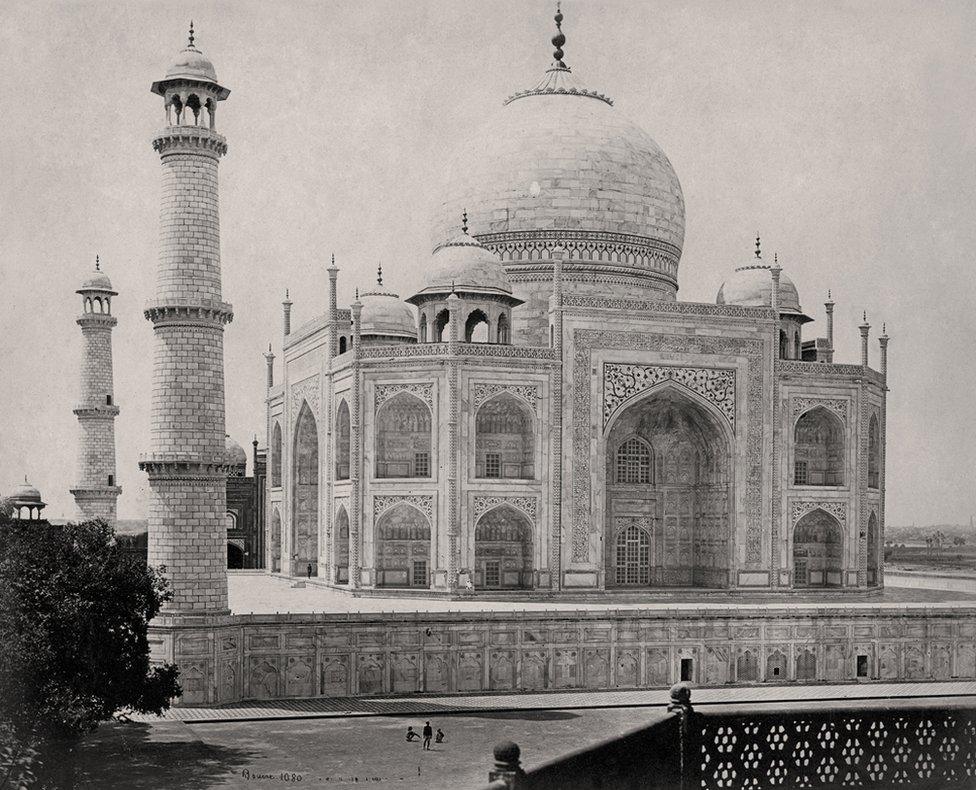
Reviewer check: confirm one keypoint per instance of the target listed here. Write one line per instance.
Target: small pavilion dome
(26, 494)
(97, 280)
(752, 286)
(235, 453)
(464, 264)
(384, 314)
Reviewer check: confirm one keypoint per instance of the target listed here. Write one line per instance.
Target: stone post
(453, 429)
(774, 294)
(356, 461)
(508, 767)
(829, 307)
(864, 328)
(687, 751)
(333, 271)
(96, 491)
(286, 314)
(270, 358)
(883, 342)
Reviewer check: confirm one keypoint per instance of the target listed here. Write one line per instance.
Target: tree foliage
(74, 611)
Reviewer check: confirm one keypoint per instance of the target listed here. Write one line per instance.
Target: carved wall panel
(837, 405)
(565, 668)
(299, 679)
(469, 674)
(436, 673)
(627, 670)
(529, 505)
(335, 676)
(483, 391)
(800, 507)
(406, 673)
(535, 674)
(383, 392)
(621, 382)
(501, 670)
(306, 390)
(424, 503)
(370, 669)
(263, 679)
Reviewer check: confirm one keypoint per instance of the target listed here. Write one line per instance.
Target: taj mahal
(544, 413)
(541, 421)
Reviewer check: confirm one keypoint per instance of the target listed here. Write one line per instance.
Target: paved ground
(347, 707)
(335, 753)
(263, 594)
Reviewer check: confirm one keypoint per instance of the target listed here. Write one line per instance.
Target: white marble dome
(464, 264)
(235, 453)
(559, 157)
(385, 315)
(752, 286)
(192, 64)
(97, 281)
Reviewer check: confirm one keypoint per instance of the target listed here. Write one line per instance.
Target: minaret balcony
(188, 311)
(104, 320)
(199, 137)
(99, 412)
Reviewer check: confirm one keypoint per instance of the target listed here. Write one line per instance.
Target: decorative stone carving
(424, 391)
(754, 350)
(621, 382)
(527, 504)
(837, 405)
(424, 503)
(527, 392)
(305, 390)
(800, 507)
(663, 307)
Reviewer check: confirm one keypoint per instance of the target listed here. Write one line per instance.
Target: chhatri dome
(97, 280)
(384, 315)
(464, 264)
(559, 162)
(752, 286)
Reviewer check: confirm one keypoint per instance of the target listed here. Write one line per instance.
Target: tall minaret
(96, 492)
(187, 465)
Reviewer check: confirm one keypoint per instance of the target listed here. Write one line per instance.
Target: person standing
(428, 734)
(310, 570)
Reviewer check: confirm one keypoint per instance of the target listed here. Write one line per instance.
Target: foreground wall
(330, 655)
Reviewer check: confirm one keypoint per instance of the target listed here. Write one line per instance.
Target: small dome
(26, 493)
(752, 286)
(192, 64)
(384, 314)
(465, 264)
(235, 453)
(97, 281)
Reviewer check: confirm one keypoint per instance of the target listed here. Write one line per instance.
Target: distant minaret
(96, 492)
(187, 463)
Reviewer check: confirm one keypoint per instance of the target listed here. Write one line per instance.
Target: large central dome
(558, 161)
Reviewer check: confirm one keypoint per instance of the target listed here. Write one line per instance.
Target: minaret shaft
(187, 465)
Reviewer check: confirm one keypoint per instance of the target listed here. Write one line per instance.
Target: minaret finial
(464, 221)
(775, 259)
(191, 34)
(828, 295)
(357, 294)
(98, 265)
(864, 316)
(884, 327)
(559, 39)
(758, 248)
(379, 274)
(333, 259)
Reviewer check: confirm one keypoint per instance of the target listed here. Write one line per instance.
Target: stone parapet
(193, 139)
(201, 312)
(96, 321)
(96, 412)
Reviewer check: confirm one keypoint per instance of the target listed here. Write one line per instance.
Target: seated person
(439, 738)
(411, 735)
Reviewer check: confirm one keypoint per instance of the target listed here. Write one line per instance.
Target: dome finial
(191, 35)
(758, 248)
(357, 294)
(98, 265)
(379, 274)
(464, 222)
(559, 39)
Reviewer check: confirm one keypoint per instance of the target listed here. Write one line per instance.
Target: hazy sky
(842, 131)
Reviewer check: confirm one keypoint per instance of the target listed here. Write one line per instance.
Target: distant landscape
(942, 548)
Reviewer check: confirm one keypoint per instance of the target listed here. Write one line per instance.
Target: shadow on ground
(140, 756)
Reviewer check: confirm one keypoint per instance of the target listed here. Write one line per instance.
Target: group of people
(428, 734)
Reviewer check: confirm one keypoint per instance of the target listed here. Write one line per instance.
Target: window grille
(800, 473)
(493, 465)
(633, 462)
(421, 465)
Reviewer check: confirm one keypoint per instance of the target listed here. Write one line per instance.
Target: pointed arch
(503, 332)
(276, 455)
(503, 549)
(441, 323)
(819, 448)
(342, 344)
(401, 540)
(342, 445)
(340, 549)
(632, 461)
(505, 439)
(818, 542)
(423, 328)
(275, 540)
(874, 452)
(305, 494)
(403, 437)
(477, 327)
(874, 551)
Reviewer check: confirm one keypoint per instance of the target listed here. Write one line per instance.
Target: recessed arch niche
(818, 448)
(403, 437)
(504, 439)
(402, 547)
(305, 494)
(503, 549)
(818, 542)
(669, 497)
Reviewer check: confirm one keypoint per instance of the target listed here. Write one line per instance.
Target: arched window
(503, 330)
(342, 441)
(797, 347)
(342, 344)
(633, 557)
(476, 327)
(818, 449)
(817, 551)
(98, 304)
(193, 105)
(423, 329)
(874, 452)
(231, 520)
(503, 549)
(402, 544)
(504, 441)
(873, 549)
(403, 437)
(275, 540)
(633, 462)
(177, 104)
(440, 325)
(276, 456)
(305, 494)
(783, 346)
(235, 556)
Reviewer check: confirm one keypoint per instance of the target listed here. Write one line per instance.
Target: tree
(74, 612)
